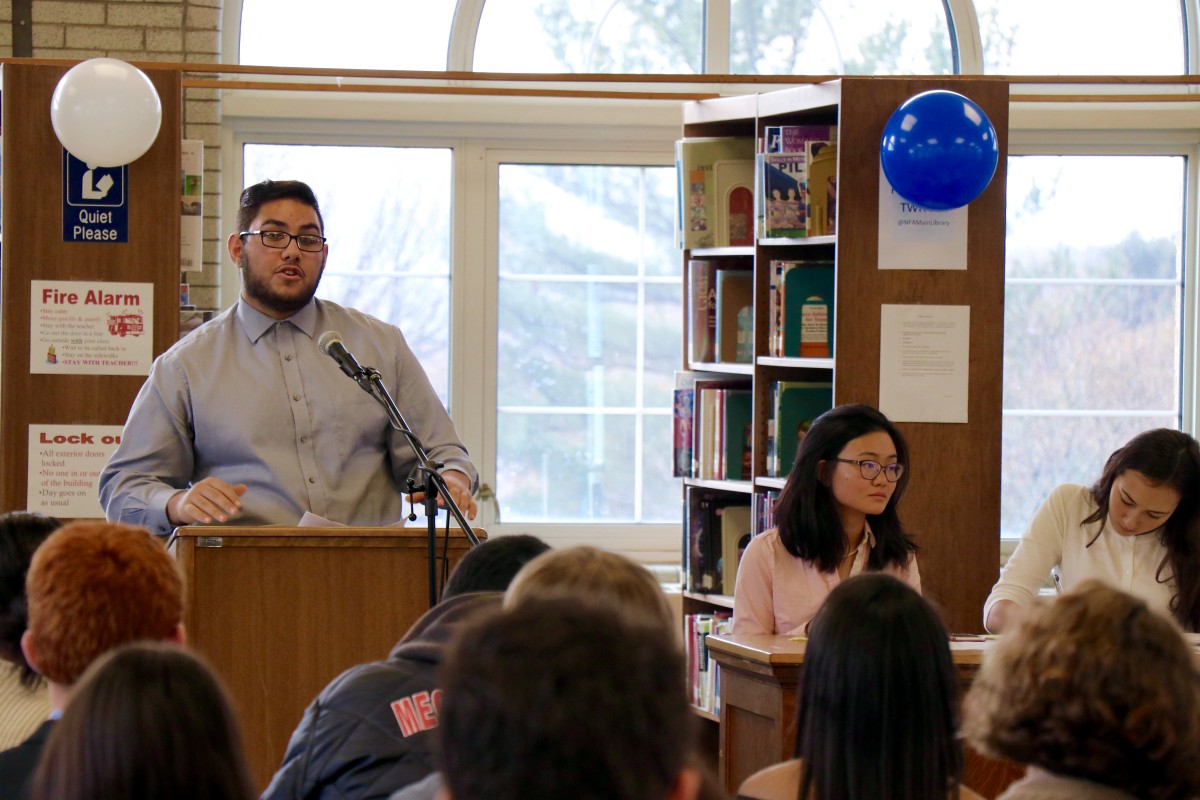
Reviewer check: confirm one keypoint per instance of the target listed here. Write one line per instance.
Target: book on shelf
(715, 176)
(702, 550)
(702, 309)
(807, 300)
(710, 426)
(703, 680)
(735, 535)
(783, 197)
(734, 295)
(782, 181)
(794, 406)
(762, 511)
(800, 308)
(792, 138)
(736, 415)
(822, 188)
(682, 416)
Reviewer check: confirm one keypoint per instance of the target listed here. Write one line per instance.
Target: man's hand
(206, 500)
(460, 489)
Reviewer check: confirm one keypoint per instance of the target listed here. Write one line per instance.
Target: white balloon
(105, 112)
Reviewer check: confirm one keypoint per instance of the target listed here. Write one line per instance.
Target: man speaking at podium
(246, 421)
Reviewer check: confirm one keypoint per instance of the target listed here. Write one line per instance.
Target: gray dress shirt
(252, 400)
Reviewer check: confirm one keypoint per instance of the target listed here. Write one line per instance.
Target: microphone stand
(371, 383)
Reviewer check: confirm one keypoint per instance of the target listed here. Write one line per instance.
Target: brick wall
(146, 30)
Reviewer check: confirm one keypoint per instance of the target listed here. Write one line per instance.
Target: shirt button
(303, 440)
(287, 358)
(296, 397)
(312, 480)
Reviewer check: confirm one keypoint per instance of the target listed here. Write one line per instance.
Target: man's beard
(260, 290)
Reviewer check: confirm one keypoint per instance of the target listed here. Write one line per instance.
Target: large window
(541, 291)
(1092, 316)
(608, 36)
(389, 234)
(1034, 37)
(589, 334)
(852, 37)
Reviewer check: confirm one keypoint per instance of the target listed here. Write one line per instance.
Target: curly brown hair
(1093, 685)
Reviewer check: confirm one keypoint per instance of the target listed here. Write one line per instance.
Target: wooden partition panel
(953, 499)
(34, 249)
(280, 612)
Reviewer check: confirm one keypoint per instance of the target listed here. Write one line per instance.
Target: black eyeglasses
(279, 240)
(871, 469)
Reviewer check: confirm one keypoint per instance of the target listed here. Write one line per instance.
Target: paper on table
(311, 520)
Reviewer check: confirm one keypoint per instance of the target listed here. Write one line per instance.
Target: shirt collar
(865, 545)
(256, 323)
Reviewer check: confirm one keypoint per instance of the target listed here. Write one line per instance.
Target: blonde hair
(599, 576)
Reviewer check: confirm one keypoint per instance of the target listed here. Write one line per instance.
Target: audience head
(254, 197)
(491, 566)
(1094, 685)
(20, 535)
(145, 720)
(577, 700)
(878, 702)
(808, 509)
(590, 572)
(1153, 482)
(93, 586)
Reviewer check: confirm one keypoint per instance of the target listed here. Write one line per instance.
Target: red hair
(93, 586)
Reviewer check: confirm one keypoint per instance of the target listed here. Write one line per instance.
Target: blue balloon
(939, 150)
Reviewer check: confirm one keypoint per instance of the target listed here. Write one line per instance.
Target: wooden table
(760, 678)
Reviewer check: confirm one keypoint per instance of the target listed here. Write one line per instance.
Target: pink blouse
(778, 593)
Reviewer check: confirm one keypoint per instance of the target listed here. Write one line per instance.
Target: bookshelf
(953, 500)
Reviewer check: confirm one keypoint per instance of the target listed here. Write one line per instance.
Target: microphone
(332, 346)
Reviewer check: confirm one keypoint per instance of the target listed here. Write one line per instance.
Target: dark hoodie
(371, 731)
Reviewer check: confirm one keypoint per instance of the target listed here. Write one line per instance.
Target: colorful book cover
(784, 186)
(797, 404)
(716, 180)
(682, 416)
(808, 305)
(792, 138)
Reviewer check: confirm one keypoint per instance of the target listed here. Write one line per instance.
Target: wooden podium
(280, 612)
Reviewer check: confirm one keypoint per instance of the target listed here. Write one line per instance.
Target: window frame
(480, 138)
(479, 129)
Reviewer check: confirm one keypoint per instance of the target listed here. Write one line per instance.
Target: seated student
(877, 714)
(548, 699)
(1136, 529)
(91, 586)
(370, 731)
(606, 578)
(835, 517)
(24, 702)
(611, 578)
(145, 720)
(1097, 694)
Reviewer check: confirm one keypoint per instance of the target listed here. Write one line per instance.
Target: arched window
(840, 37)
(1034, 37)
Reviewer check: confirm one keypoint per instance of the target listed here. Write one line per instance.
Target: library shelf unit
(952, 504)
